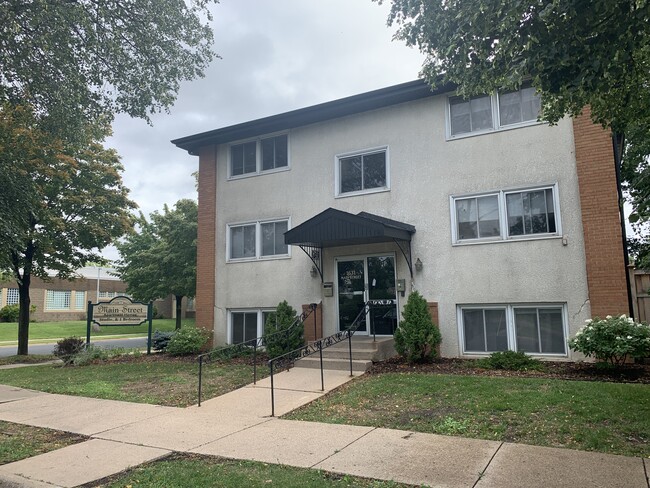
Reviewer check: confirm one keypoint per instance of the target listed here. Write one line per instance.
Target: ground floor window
(247, 324)
(57, 300)
(13, 296)
(530, 328)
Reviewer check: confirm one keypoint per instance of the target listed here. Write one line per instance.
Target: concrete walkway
(237, 425)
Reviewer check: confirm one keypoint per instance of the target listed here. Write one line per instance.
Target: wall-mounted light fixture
(418, 265)
(313, 272)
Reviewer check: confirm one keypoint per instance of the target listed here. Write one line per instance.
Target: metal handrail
(288, 359)
(235, 350)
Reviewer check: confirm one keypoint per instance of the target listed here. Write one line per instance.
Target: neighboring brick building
(509, 225)
(59, 300)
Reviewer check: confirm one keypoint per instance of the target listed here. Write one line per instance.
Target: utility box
(328, 289)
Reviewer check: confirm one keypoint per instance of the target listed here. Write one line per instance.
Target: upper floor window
(254, 157)
(362, 172)
(493, 112)
(257, 240)
(505, 215)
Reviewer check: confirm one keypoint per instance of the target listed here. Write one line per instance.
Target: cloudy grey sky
(276, 56)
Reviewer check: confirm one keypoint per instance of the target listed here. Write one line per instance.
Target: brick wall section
(600, 218)
(433, 311)
(206, 238)
(316, 318)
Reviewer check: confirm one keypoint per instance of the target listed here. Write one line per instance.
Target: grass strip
(58, 330)
(591, 416)
(145, 379)
(196, 471)
(22, 441)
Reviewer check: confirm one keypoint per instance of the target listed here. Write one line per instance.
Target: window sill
(504, 128)
(362, 192)
(259, 173)
(500, 241)
(258, 259)
(536, 355)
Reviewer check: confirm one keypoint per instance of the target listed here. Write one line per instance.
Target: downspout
(618, 142)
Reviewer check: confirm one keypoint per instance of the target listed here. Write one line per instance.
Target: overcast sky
(276, 56)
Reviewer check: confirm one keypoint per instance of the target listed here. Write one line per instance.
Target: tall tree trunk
(179, 303)
(23, 315)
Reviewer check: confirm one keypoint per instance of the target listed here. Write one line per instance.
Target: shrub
(510, 360)
(612, 339)
(66, 349)
(89, 355)
(9, 313)
(187, 340)
(282, 320)
(417, 336)
(160, 339)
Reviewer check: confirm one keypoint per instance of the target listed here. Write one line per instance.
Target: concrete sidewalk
(237, 425)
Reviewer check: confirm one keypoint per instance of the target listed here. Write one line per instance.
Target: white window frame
(13, 296)
(48, 307)
(362, 152)
(258, 240)
(496, 119)
(511, 332)
(258, 156)
(503, 216)
(260, 324)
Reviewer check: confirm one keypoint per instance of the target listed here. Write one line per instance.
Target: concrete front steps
(365, 350)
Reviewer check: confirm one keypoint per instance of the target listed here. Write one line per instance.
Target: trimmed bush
(281, 320)
(417, 336)
(511, 361)
(160, 339)
(613, 339)
(187, 340)
(66, 349)
(9, 313)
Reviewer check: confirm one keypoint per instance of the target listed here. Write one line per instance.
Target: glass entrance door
(368, 278)
(352, 292)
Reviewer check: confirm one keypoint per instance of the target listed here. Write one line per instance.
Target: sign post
(120, 311)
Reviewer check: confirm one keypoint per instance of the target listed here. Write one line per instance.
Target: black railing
(287, 360)
(248, 347)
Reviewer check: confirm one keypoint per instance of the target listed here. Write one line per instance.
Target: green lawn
(593, 416)
(57, 330)
(29, 359)
(144, 379)
(22, 441)
(205, 472)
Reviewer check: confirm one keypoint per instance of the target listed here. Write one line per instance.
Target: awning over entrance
(334, 228)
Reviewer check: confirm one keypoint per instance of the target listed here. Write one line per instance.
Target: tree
(77, 60)
(417, 336)
(68, 201)
(161, 258)
(593, 53)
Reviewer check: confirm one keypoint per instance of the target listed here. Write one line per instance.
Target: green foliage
(66, 349)
(511, 361)
(417, 336)
(283, 332)
(613, 339)
(160, 339)
(76, 61)
(575, 53)
(9, 313)
(89, 355)
(188, 340)
(161, 258)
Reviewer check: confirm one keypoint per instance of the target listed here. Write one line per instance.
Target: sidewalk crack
(344, 447)
(482, 473)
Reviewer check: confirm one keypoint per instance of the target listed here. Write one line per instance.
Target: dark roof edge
(384, 97)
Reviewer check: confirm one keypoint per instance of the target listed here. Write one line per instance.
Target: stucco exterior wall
(425, 170)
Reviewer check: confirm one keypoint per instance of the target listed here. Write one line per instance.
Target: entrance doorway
(360, 279)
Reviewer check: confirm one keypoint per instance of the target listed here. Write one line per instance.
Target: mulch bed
(630, 373)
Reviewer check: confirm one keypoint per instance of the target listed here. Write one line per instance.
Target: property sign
(120, 311)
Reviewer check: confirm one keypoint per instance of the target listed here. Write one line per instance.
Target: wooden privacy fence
(640, 285)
